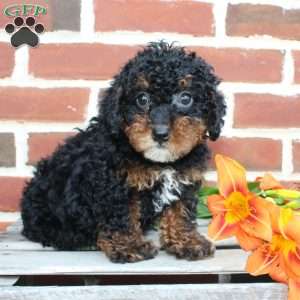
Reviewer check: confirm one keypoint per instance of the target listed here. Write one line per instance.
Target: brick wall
(254, 46)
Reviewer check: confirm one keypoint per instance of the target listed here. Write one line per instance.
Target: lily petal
(294, 290)
(274, 211)
(289, 224)
(215, 204)
(278, 274)
(262, 261)
(268, 182)
(258, 223)
(292, 264)
(247, 242)
(218, 229)
(231, 176)
(285, 221)
(285, 216)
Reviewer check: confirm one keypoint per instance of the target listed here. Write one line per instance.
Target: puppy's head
(166, 102)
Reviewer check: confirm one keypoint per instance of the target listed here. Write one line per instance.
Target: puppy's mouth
(160, 153)
(184, 135)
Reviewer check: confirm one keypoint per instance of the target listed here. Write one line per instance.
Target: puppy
(139, 161)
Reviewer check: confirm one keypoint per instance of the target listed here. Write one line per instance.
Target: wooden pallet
(19, 257)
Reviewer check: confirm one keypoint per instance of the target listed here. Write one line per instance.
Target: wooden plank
(8, 280)
(266, 291)
(17, 226)
(13, 240)
(93, 262)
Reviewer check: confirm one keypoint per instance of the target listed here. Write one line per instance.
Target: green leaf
(207, 190)
(254, 187)
(203, 212)
(202, 209)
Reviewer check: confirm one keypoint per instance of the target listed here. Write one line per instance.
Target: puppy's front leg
(127, 246)
(179, 235)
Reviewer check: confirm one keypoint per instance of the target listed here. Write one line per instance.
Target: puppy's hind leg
(129, 245)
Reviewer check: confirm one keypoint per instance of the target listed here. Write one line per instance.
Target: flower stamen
(237, 208)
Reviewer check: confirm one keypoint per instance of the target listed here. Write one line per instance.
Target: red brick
(187, 17)
(43, 144)
(4, 225)
(66, 61)
(296, 156)
(11, 190)
(53, 105)
(259, 154)
(241, 65)
(78, 61)
(249, 20)
(266, 111)
(296, 55)
(7, 60)
(46, 20)
(293, 185)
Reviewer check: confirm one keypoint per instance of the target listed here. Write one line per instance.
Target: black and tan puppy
(140, 159)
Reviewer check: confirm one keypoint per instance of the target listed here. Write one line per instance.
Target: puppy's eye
(143, 100)
(183, 100)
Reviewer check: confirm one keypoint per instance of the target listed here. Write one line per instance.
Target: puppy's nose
(160, 133)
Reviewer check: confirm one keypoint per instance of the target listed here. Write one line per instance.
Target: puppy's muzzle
(161, 133)
(160, 123)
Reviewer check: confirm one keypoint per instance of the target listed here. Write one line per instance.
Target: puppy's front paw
(133, 253)
(191, 249)
(148, 249)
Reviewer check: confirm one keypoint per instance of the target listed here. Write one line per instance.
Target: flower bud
(295, 204)
(283, 193)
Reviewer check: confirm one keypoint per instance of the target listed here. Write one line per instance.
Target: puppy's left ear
(216, 113)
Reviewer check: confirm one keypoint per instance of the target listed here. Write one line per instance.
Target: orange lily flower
(236, 211)
(268, 182)
(280, 258)
(294, 290)
(290, 197)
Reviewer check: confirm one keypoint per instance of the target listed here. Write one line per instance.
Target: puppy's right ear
(110, 108)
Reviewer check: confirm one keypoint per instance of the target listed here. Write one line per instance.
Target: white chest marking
(169, 191)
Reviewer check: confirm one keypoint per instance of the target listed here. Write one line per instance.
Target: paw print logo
(24, 31)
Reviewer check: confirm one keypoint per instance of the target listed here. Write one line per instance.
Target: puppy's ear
(110, 109)
(216, 112)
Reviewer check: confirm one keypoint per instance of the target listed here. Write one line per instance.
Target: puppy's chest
(166, 185)
(168, 189)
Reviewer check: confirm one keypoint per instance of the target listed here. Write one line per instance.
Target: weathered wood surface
(13, 240)
(149, 292)
(8, 280)
(94, 262)
(19, 256)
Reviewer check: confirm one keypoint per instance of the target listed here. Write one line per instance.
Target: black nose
(160, 133)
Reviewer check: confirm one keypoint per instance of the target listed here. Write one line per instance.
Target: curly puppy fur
(141, 159)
